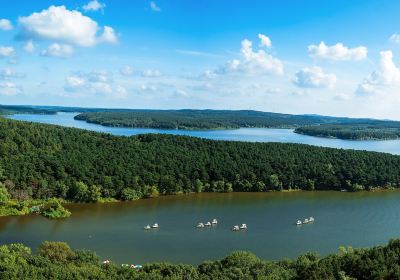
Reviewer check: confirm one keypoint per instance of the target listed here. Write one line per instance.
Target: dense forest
(41, 161)
(15, 109)
(56, 260)
(201, 119)
(371, 130)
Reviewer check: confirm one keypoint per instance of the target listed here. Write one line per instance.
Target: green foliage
(355, 130)
(56, 260)
(4, 195)
(54, 210)
(198, 119)
(56, 251)
(42, 161)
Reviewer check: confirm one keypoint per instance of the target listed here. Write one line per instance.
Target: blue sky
(323, 57)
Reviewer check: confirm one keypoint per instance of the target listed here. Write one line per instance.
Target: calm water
(242, 134)
(115, 230)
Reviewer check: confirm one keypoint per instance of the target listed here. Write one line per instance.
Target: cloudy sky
(338, 58)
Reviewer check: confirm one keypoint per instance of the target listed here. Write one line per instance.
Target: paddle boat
(236, 228)
(214, 221)
(299, 223)
(208, 224)
(243, 226)
(155, 226)
(311, 219)
(306, 221)
(200, 225)
(148, 227)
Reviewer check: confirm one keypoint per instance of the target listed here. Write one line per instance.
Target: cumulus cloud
(96, 82)
(126, 71)
(5, 25)
(265, 41)
(395, 38)
(253, 62)
(314, 77)
(108, 36)
(58, 50)
(93, 6)
(386, 79)
(337, 52)
(29, 47)
(59, 24)
(154, 7)
(9, 88)
(6, 52)
(149, 73)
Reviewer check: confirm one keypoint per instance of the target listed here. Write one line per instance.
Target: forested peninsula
(372, 130)
(56, 260)
(39, 161)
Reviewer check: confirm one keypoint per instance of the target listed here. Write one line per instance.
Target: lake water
(115, 230)
(242, 134)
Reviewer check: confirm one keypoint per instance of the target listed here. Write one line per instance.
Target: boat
(306, 221)
(147, 227)
(243, 226)
(236, 228)
(214, 221)
(299, 223)
(155, 226)
(311, 219)
(200, 225)
(208, 224)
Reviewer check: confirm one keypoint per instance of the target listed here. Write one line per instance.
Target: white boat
(299, 223)
(311, 219)
(214, 221)
(243, 226)
(200, 225)
(236, 228)
(208, 224)
(155, 226)
(306, 221)
(147, 227)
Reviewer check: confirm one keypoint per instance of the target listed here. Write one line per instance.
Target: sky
(338, 58)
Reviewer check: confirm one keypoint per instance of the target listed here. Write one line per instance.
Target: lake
(115, 230)
(242, 134)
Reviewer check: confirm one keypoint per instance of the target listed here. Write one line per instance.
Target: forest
(39, 161)
(56, 260)
(201, 119)
(372, 130)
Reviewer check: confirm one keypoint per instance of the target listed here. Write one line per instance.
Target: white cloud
(63, 25)
(6, 51)
(108, 36)
(58, 50)
(395, 38)
(29, 47)
(97, 82)
(265, 41)
(154, 7)
(8, 73)
(149, 73)
(337, 52)
(253, 62)
(9, 88)
(384, 80)
(5, 25)
(126, 71)
(93, 6)
(314, 77)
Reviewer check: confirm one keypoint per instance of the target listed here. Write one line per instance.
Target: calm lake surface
(242, 134)
(115, 230)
